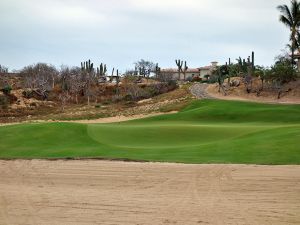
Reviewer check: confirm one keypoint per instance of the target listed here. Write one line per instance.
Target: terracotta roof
(205, 68)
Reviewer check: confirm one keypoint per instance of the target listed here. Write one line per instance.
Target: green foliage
(7, 89)
(281, 72)
(209, 131)
(290, 17)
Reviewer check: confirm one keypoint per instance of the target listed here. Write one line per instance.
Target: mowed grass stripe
(209, 131)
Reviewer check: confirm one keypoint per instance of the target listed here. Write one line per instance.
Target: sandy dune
(102, 192)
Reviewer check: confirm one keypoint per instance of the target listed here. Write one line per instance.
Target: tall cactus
(112, 75)
(101, 70)
(185, 69)
(247, 68)
(157, 70)
(179, 64)
(252, 60)
(87, 69)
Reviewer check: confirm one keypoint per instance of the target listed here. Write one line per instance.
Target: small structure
(297, 56)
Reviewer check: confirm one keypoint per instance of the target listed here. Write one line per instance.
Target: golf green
(207, 131)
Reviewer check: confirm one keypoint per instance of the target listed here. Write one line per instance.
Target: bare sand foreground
(103, 192)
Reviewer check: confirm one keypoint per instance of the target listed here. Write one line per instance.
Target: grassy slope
(207, 131)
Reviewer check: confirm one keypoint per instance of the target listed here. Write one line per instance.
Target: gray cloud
(120, 32)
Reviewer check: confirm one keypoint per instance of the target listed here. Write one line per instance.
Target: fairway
(207, 131)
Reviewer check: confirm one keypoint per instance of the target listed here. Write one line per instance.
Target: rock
(199, 91)
(235, 83)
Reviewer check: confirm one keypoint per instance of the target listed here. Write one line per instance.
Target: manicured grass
(208, 131)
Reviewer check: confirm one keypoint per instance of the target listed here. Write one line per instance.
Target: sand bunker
(102, 192)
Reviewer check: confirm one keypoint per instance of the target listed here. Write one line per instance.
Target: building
(190, 73)
(297, 57)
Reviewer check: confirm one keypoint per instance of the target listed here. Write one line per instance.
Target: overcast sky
(120, 32)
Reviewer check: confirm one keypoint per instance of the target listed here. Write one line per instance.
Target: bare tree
(4, 81)
(65, 81)
(39, 78)
(131, 87)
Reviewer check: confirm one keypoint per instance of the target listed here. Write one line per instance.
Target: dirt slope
(100, 192)
(290, 92)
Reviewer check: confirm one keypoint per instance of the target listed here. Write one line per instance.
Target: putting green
(208, 131)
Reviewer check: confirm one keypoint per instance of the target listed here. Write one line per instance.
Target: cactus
(112, 75)
(157, 70)
(252, 60)
(247, 67)
(185, 68)
(179, 64)
(142, 71)
(118, 78)
(136, 72)
(87, 69)
(101, 70)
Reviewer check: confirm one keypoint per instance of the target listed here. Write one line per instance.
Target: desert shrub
(207, 76)
(213, 79)
(27, 94)
(172, 84)
(3, 102)
(282, 72)
(150, 92)
(7, 89)
(196, 79)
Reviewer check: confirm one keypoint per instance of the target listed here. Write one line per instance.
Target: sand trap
(102, 192)
(115, 119)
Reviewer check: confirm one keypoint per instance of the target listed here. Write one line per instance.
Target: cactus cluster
(246, 66)
(87, 66)
(101, 70)
(181, 67)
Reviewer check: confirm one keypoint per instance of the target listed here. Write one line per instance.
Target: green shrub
(6, 90)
